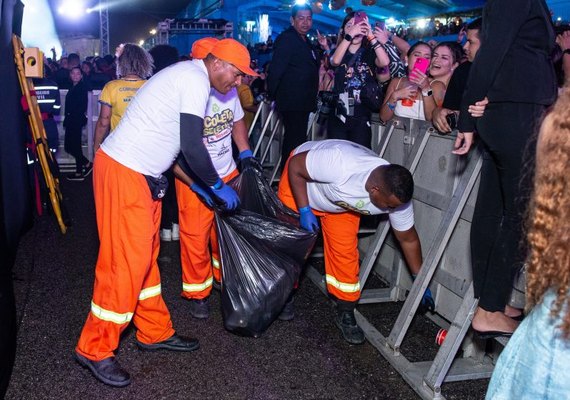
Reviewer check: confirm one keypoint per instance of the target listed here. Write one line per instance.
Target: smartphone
(422, 64)
(381, 25)
(451, 120)
(359, 16)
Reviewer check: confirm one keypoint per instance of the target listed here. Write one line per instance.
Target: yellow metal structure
(45, 156)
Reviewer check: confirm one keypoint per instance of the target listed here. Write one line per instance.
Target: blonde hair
(549, 217)
(134, 60)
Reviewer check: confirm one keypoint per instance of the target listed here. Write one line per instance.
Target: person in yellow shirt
(134, 67)
(246, 100)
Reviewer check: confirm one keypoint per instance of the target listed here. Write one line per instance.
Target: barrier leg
(378, 295)
(263, 131)
(435, 252)
(255, 118)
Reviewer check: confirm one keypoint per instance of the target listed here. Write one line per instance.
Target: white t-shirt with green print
(340, 169)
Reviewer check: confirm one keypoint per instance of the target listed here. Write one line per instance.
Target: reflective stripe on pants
(197, 236)
(127, 280)
(340, 242)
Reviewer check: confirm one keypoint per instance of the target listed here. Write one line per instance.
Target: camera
(345, 105)
(326, 104)
(451, 120)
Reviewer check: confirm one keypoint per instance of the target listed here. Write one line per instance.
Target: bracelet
(370, 37)
(375, 46)
(218, 185)
(304, 209)
(567, 51)
(348, 37)
(391, 106)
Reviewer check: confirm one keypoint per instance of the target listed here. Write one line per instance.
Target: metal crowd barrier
(444, 196)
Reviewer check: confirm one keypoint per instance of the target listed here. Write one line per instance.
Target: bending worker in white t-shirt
(165, 118)
(337, 181)
(222, 123)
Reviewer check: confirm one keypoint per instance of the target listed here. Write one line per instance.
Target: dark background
(129, 20)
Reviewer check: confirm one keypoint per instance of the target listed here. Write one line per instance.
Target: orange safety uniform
(196, 220)
(198, 238)
(337, 195)
(127, 279)
(340, 239)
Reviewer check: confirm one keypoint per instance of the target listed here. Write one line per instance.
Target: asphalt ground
(302, 359)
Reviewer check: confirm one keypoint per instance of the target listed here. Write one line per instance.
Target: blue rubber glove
(247, 160)
(202, 194)
(226, 194)
(309, 221)
(427, 303)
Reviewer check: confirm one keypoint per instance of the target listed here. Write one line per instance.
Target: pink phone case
(359, 16)
(422, 64)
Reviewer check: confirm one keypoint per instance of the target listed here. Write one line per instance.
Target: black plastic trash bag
(262, 256)
(256, 195)
(261, 260)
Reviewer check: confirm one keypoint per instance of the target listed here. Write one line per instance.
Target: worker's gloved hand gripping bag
(263, 250)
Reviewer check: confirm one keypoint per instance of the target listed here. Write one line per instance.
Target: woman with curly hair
(134, 66)
(535, 363)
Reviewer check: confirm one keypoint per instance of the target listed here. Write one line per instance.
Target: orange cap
(235, 53)
(202, 47)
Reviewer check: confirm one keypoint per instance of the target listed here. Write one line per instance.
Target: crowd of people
(178, 128)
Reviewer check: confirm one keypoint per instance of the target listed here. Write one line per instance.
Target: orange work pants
(197, 230)
(340, 239)
(127, 279)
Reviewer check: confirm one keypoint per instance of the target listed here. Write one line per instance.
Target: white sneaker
(175, 231)
(166, 235)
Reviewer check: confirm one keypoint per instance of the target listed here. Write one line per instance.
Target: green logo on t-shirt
(215, 108)
(356, 208)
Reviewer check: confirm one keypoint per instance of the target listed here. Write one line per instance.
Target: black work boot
(346, 322)
(200, 308)
(288, 311)
(173, 343)
(107, 370)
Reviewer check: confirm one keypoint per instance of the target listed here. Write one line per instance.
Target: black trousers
(72, 145)
(508, 134)
(296, 124)
(169, 203)
(356, 129)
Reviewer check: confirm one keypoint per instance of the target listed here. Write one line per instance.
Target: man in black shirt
(293, 79)
(514, 70)
(454, 92)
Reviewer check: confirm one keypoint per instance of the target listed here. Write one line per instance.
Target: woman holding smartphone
(405, 96)
(445, 58)
(355, 59)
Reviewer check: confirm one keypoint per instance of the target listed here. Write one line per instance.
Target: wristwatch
(347, 37)
(427, 93)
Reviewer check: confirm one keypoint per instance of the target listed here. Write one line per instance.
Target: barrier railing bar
(435, 252)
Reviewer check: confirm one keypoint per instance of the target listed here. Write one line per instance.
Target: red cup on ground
(440, 337)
